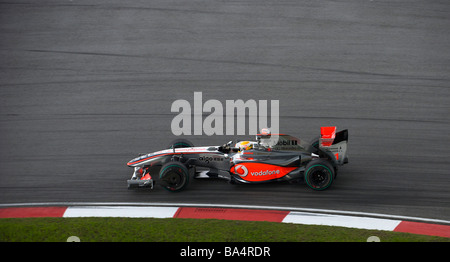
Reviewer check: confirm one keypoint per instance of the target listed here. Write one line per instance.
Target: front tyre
(319, 174)
(180, 143)
(174, 176)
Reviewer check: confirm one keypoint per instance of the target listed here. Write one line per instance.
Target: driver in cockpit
(245, 145)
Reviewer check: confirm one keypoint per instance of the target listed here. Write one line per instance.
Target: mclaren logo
(241, 170)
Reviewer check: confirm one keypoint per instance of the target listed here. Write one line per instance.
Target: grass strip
(186, 230)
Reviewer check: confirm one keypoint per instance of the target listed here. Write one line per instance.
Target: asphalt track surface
(87, 85)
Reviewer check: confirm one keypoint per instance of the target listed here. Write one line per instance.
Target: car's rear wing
(334, 144)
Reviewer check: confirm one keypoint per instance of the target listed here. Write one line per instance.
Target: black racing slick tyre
(174, 176)
(180, 143)
(319, 174)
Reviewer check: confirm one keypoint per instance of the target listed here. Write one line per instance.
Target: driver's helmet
(244, 145)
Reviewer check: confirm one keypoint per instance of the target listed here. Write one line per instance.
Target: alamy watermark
(73, 239)
(220, 120)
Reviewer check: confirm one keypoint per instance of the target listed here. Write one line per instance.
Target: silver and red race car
(285, 158)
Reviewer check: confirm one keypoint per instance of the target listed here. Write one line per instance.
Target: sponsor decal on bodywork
(260, 171)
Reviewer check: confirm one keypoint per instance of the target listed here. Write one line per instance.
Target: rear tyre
(174, 176)
(319, 174)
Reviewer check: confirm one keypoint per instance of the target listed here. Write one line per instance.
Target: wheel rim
(174, 179)
(319, 177)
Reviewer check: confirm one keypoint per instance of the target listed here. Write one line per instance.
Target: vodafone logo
(241, 170)
(266, 173)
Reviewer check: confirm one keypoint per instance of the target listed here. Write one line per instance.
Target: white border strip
(341, 221)
(176, 205)
(120, 211)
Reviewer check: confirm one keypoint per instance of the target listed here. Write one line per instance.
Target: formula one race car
(285, 158)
